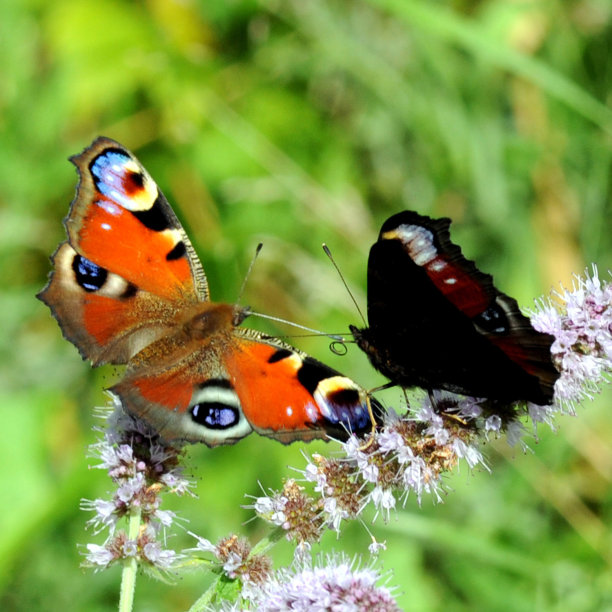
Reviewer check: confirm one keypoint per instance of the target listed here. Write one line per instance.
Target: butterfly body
(437, 322)
(128, 288)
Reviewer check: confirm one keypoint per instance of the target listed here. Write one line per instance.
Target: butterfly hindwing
(269, 374)
(218, 388)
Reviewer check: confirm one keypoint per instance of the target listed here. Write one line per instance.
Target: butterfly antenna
(248, 274)
(335, 337)
(331, 258)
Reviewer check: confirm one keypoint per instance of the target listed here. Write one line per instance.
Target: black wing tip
(411, 217)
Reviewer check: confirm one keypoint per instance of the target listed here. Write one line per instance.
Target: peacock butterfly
(437, 322)
(128, 288)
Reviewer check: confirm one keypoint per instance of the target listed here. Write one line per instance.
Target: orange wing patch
(167, 390)
(271, 395)
(289, 396)
(115, 239)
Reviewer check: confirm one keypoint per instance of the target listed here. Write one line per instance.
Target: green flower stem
(265, 544)
(130, 567)
(207, 597)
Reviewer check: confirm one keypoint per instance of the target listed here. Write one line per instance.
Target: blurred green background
(295, 123)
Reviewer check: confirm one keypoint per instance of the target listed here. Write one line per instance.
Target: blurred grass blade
(466, 542)
(450, 26)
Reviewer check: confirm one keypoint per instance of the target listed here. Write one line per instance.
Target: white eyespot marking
(336, 383)
(419, 243)
(114, 286)
(131, 166)
(438, 266)
(324, 407)
(105, 226)
(214, 394)
(289, 411)
(115, 195)
(109, 207)
(312, 412)
(450, 281)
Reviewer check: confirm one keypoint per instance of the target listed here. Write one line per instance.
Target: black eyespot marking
(345, 397)
(279, 355)
(215, 415)
(347, 410)
(133, 182)
(87, 274)
(177, 252)
(312, 373)
(129, 292)
(493, 320)
(154, 218)
(223, 383)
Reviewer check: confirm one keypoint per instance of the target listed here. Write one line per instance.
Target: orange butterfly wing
(128, 288)
(127, 262)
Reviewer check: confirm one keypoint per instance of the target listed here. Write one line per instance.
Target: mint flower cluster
(408, 456)
(141, 467)
(411, 453)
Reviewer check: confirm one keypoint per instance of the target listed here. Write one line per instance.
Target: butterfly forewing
(437, 322)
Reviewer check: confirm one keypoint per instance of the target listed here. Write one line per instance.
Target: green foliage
(296, 123)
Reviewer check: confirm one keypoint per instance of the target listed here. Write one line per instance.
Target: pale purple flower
(389, 440)
(313, 474)
(469, 408)
(130, 489)
(233, 556)
(176, 482)
(469, 452)
(300, 515)
(337, 585)
(515, 432)
(375, 547)
(582, 327)
(162, 558)
(141, 468)
(165, 517)
(130, 548)
(493, 423)
(232, 563)
(334, 514)
(383, 500)
(203, 544)
(105, 514)
(98, 556)
(272, 508)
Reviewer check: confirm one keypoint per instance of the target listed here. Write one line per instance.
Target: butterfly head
(210, 318)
